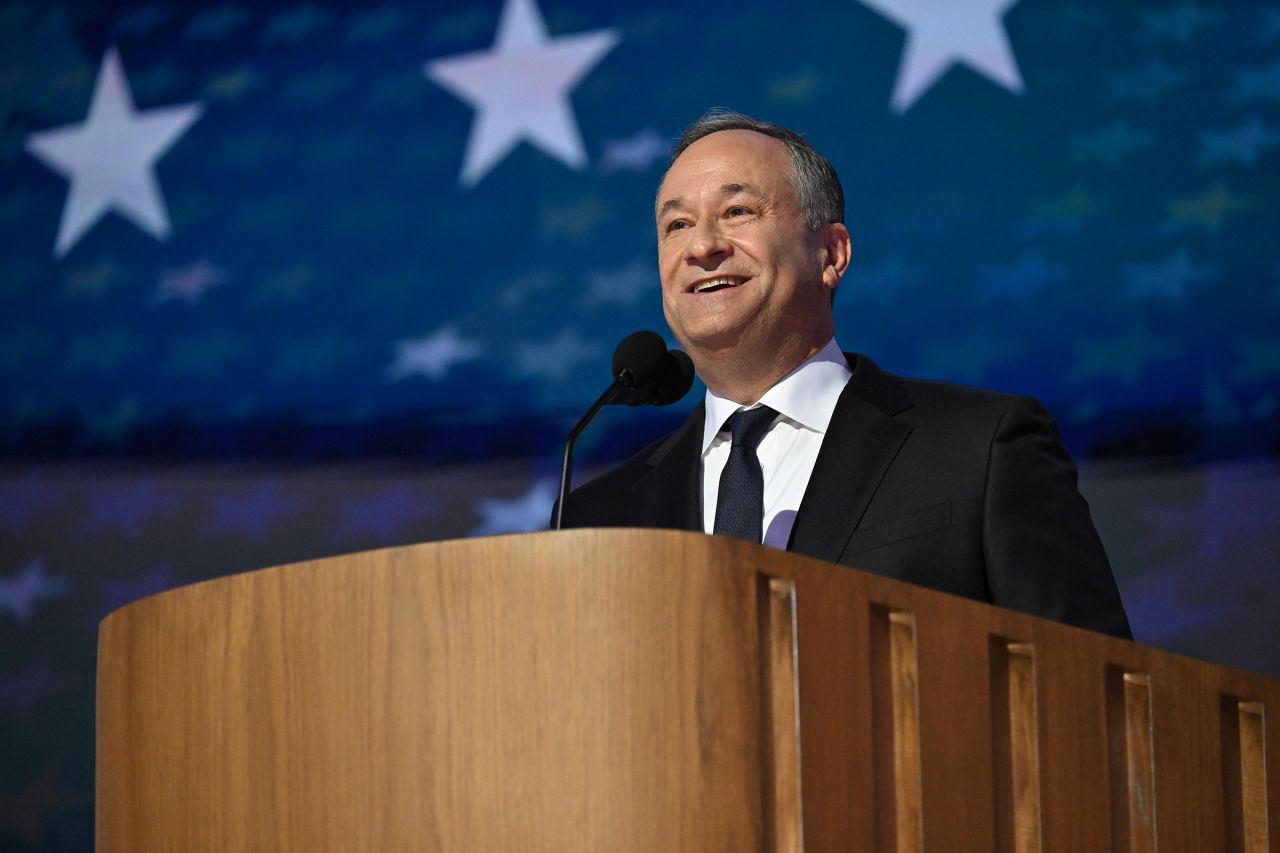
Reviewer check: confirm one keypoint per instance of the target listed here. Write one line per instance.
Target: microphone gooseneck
(645, 373)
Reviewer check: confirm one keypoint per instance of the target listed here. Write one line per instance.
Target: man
(966, 491)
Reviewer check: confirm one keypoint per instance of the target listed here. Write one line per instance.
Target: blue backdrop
(281, 280)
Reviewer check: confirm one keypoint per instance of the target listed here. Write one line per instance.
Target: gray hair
(816, 185)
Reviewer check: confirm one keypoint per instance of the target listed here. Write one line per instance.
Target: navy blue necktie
(740, 507)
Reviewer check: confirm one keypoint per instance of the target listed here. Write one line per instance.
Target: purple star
(118, 593)
(125, 507)
(20, 590)
(383, 515)
(24, 498)
(21, 694)
(250, 514)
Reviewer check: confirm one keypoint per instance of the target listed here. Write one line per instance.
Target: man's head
(750, 250)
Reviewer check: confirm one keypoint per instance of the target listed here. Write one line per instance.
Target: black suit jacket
(966, 491)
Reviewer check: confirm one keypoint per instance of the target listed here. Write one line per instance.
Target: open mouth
(711, 285)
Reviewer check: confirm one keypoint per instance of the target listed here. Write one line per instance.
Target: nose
(707, 243)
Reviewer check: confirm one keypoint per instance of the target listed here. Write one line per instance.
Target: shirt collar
(806, 396)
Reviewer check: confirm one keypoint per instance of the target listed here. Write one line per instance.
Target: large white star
(941, 34)
(110, 157)
(520, 89)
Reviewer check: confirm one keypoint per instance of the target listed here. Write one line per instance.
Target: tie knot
(748, 426)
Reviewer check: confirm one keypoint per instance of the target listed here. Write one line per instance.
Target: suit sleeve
(1042, 553)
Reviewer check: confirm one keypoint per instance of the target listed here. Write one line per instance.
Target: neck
(745, 379)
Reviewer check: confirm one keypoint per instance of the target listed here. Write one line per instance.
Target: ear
(836, 251)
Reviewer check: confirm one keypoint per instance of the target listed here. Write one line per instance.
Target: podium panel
(654, 690)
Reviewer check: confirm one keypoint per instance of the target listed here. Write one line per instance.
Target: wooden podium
(635, 690)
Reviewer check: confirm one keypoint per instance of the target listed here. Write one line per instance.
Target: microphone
(645, 373)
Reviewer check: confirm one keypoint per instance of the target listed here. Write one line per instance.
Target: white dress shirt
(805, 400)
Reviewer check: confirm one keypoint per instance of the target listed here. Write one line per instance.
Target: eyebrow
(725, 190)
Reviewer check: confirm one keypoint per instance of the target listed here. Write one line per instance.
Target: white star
(635, 154)
(109, 159)
(530, 511)
(623, 286)
(941, 34)
(20, 590)
(433, 355)
(554, 359)
(520, 89)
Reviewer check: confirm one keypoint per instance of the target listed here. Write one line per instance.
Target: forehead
(727, 158)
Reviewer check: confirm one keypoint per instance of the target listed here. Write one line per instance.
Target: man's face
(739, 268)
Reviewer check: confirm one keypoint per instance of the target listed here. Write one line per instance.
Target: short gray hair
(814, 180)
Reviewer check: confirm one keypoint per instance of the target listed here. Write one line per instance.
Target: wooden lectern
(655, 691)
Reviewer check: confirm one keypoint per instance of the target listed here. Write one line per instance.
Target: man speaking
(801, 446)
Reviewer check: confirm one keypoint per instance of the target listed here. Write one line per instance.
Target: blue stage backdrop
(286, 279)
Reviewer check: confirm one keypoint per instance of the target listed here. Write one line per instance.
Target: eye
(738, 210)
(676, 225)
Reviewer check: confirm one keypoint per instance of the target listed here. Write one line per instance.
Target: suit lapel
(670, 494)
(859, 447)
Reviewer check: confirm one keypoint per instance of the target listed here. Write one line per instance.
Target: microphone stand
(566, 468)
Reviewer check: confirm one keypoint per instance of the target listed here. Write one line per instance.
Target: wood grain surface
(640, 690)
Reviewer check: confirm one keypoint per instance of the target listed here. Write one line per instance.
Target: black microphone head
(639, 359)
(675, 380)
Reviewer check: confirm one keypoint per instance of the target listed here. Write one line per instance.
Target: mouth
(716, 283)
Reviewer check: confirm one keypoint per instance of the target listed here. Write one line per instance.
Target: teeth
(715, 282)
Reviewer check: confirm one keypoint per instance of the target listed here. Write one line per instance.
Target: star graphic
(939, 35)
(22, 499)
(622, 287)
(20, 590)
(216, 23)
(249, 514)
(142, 21)
(879, 278)
(126, 507)
(207, 353)
(1023, 278)
(110, 424)
(433, 355)
(1209, 208)
(798, 88)
(1252, 84)
(296, 24)
(376, 25)
(1240, 145)
(574, 219)
(634, 154)
(1176, 23)
(1259, 359)
(1168, 279)
(1146, 83)
(553, 359)
(526, 287)
(381, 516)
(520, 89)
(189, 283)
(1270, 29)
(1225, 531)
(1123, 357)
(522, 514)
(1067, 212)
(1111, 144)
(110, 158)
